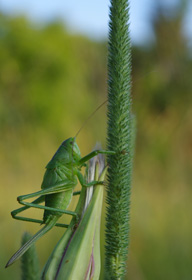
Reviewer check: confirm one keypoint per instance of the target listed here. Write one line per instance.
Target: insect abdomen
(58, 200)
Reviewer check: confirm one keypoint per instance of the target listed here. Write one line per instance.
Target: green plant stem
(29, 261)
(120, 140)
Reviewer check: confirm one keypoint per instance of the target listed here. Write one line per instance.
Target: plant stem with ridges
(119, 139)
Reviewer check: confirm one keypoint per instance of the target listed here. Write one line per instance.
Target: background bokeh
(50, 81)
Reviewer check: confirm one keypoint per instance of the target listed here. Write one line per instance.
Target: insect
(77, 254)
(61, 176)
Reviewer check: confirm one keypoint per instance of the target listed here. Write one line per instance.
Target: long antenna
(90, 116)
(85, 122)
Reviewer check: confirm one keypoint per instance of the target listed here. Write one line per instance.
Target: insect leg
(48, 208)
(56, 188)
(77, 193)
(95, 153)
(84, 183)
(59, 187)
(19, 210)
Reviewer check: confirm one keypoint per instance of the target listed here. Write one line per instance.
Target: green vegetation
(29, 261)
(49, 83)
(119, 136)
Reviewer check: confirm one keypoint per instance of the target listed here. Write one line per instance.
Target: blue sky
(85, 16)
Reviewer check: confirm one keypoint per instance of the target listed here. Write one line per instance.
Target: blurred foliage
(50, 81)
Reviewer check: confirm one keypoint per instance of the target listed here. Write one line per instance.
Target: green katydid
(77, 254)
(58, 185)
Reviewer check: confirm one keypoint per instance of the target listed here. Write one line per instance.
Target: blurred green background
(50, 81)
